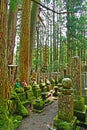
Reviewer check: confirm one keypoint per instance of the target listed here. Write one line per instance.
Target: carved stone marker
(76, 76)
(65, 101)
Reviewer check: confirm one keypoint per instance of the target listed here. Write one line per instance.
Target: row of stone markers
(71, 105)
(46, 75)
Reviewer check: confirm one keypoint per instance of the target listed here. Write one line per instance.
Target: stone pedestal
(65, 106)
(76, 76)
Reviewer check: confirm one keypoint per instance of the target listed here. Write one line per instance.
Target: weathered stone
(36, 90)
(65, 106)
(65, 101)
(76, 76)
(29, 95)
(67, 83)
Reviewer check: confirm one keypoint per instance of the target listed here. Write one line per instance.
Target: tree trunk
(34, 14)
(37, 51)
(3, 48)
(4, 122)
(25, 42)
(54, 34)
(11, 31)
(51, 49)
(69, 6)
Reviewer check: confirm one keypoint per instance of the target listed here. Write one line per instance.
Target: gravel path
(40, 121)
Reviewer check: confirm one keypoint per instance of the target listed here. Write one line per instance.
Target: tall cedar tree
(12, 18)
(34, 14)
(25, 42)
(4, 121)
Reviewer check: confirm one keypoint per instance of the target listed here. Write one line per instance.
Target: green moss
(63, 116)
(78, 128)
(37, 93)
(28, 88)
(20, 110)
(12, 106)
(16, 119)
(42, 86)
(47, 102)
(22, 96)
(79, 104)
(36, 90)
(38, 111)
(19, 90)
(5, 121)
(60, 79)
(30, 96)
(38, 104)
(62, 125)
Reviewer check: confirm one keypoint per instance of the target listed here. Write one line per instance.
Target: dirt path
(40, 121)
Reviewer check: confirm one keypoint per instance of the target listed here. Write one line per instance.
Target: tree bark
(3, 49)
(25, 42)
(11, 32)
(4, 121)
(34, 14)
(69, 6)
(54, 35)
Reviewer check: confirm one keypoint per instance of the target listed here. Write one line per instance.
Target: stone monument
(76, 76)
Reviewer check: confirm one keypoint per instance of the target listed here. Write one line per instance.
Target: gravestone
(65, 101)
(83, 83)
(65, 120)
(76, 76)
(84, 86)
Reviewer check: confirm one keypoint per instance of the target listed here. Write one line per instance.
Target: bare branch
(50, 8)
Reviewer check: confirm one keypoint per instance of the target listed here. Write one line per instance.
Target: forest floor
(41, 121)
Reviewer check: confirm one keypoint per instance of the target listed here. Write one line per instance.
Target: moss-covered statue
(18, 87)
(17, 84)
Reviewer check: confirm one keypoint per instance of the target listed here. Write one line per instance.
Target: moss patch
(16, 119)
(64, 125)
(5, 121)
(20, 109)
(38, 105)
(48, 102)
(79, 104)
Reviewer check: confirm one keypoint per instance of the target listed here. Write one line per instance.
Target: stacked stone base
(65, 119)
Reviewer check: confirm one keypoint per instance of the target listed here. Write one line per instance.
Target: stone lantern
(12, 72)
